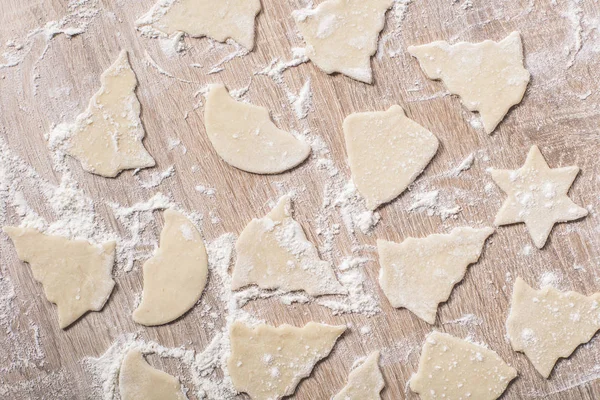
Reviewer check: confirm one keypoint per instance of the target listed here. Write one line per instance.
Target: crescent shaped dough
(175, 276)
(244, 136)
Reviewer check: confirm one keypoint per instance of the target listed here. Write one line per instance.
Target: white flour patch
(156, 178)
(431, 204)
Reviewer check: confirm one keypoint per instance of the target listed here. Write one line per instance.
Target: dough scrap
(274, 253)
(139, 381)
(244, 136)
(107, 137)
(420, 273)
(537, 196)
(268, 362)
(386, 152)
(175, 276)
(547, 324)
(342, 35)
(219, 20)
(75, 274)
(489, 76)
(365, 382)
(451, 368)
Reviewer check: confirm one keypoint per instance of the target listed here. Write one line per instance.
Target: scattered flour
(156, 178)
(429, 202)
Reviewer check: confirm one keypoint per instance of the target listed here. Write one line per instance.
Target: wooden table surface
(56, 77)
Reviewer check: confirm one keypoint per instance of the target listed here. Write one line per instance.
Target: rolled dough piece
(419, 274)
(365, 382)
(244, 136)
(547, 324)
(537, 196)
(175, 276)
(107, 137)
(76, 275)
(274, 253)
(342, 35)
(386, 152)
(139, 381)
(267, 362)
(219, 20)
(451, 368)
(489, 76)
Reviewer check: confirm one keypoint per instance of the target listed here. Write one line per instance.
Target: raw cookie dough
(537, 196)
(107, 137)
(418, 274)
(386, 152)
(139, 381)
(244, 136)
(76, 275)
(268, 363)
(547, 324)
(451, 368)
(365, 382)
(489, 76)
(219, 20)
(175, 276)
(274, 253)
(342, 35)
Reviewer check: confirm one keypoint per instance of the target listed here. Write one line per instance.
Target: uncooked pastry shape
(365, 382)
(537, 196)
(489, 76)
(342, 35)
(268, 362)
(547, 324)
(75, 274)
(175, 276)
(420, 273)
(219, 20)
(107, 137)
(451, 368)
(274, 253)
(244, 136)
(139, 381)
(386, 152)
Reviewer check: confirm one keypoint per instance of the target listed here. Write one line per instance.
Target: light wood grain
(553, 115)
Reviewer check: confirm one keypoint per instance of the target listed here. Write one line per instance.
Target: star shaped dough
(537, 196)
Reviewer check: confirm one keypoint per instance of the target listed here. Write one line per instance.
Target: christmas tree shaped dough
(219, 20)
(418, 274)
(267, 363)
(365, 382)
(76, 275)
(139, 381)
(547, 324)
(537, 196)
(175, 276)
(342, 35)
(244, 136)
(107, 137)
(451, 368)
(386, 152)
(489, 76)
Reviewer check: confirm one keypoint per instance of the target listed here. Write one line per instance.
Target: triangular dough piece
(386, 152)
(76, 275)
(274, 253)
(268, 363)
(365, 382)
(107, 137)
(489, 76)
(244, 136)
(175, 276)
(451, 368)
(139, 381)
(342, 35)
(219, 20)
(419, 274)
(547, 324)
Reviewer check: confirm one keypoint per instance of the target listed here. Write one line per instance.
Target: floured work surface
(42, 86)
